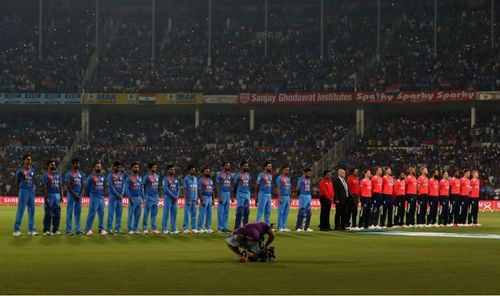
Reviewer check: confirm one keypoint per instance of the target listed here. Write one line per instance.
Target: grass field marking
(435, 234)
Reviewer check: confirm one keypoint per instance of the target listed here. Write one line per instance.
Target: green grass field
(307, 263)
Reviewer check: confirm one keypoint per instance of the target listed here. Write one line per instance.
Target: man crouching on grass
(249, 238)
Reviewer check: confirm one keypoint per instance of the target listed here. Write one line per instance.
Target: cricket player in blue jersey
(116, 190)
(190, 196)
(264, 188)
(171, 190)
(73, 183)
(134, 190)
(304, 190)
(242, 192)
(283, 192)
(52, 192)
(223, 188)
(25, 183)
(205, 196)
(95, 189)
(151, 189)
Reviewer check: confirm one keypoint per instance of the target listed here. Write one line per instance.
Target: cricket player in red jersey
(377, 198)
(411, 196)
(388, 195)
(365, 189)
(423, 195)
(464, 197)
(444, 194)
(399, 192)
(454, 198)
(353, 186)
(474, 199)
(433, 198)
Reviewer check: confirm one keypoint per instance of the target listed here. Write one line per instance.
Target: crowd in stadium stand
(65, 54)
(465, 58)
(297, 140)
(45, 136)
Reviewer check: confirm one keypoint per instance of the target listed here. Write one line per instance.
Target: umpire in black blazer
(341, 195)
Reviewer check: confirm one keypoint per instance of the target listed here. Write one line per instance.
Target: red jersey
(399, 187)
(474, 184)
(326, 188)
(444, 187)
(365, 187)
(433, 187)
(464, 186)
(353, 185)
(376, 184)
(423, 185)
(411, 184)
(388, 185)
(455, 186)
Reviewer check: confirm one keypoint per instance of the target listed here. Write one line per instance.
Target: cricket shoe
(478, 225)
(195, 231)
(175, 232)
(287, 230)
(209, 231)
(103, 232)
(17, 233)
(57, 233)
(33, 233)
(131, 233)
(299, 230)
(371, 227)
(201, 231)
(46, 233)
(281, 230)
(89, 233)
(310, 230)
(186, 231)
(166, 232)
(145, 232)
(156, 232)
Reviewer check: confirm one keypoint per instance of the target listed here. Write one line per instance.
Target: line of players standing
(435, 201)
(146, 191)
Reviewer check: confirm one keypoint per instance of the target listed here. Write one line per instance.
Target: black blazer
(340, 192)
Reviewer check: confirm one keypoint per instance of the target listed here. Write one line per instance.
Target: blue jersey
(52, 181)
(26, 178)
(95, 185)
(191, 187)
(133, 186)
(171, 186)
(74, 179)
(242, 181)
(284, 185)
(116, 183)
(223, 179)
(304, 186)
(206, 186)
(151, 184)
(265, 182)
